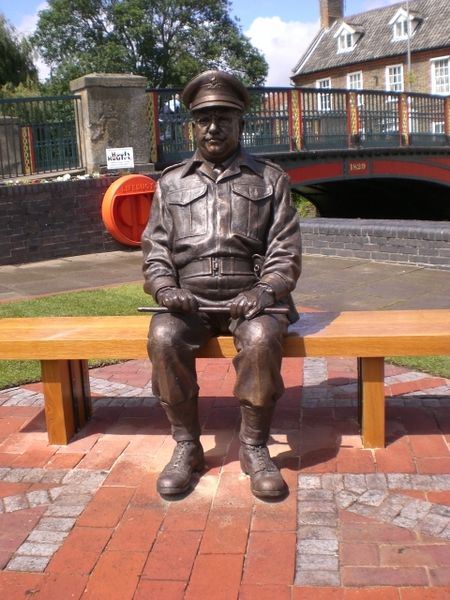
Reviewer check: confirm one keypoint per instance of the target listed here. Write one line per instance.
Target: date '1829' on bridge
(358, 167)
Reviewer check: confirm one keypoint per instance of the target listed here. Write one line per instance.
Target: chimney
(330, 11)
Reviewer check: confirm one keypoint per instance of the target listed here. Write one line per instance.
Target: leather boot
(265, 477)
(183, 419)
(187, 457)
(176, 476)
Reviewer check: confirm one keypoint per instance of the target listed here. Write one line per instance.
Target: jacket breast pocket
(189, 211)
(250, 209)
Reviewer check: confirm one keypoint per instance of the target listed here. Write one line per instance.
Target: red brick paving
(18, 586)
(115, 576)
(107, 508)
(14, 528)
(215, 576)
(219, 542)
(81, 551)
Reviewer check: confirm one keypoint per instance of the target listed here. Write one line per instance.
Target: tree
(167, 41)
(16, 65)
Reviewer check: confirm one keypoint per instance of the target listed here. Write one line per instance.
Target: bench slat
(352, 333)
(63, 344)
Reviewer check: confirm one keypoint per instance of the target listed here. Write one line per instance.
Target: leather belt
(221, 265)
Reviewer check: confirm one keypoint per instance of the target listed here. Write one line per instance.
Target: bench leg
(81, 392)
(371, 401)
(67, 398)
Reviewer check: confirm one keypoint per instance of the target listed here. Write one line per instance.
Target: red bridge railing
(303, 119)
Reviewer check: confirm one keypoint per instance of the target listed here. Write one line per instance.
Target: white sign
(119, 158)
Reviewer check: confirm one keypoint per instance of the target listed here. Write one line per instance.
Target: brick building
(402, 47)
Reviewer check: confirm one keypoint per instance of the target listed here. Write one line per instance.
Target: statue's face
(217, 132)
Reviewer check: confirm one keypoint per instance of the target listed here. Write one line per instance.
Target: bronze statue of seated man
(222, 232)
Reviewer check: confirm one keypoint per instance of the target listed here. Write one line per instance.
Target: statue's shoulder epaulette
(173, 167)
(269, 163)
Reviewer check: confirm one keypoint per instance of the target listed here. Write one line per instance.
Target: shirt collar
(241, 159)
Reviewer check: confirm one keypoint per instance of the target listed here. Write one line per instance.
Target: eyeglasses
(222, 121)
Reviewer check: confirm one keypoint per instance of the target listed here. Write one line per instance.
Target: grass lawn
(434, 365)
(124, 300)
(120, 300)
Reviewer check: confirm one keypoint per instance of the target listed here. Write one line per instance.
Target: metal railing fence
(302, 119)
(43, 135)
(39, 135)
(427, 125)
(324, 119)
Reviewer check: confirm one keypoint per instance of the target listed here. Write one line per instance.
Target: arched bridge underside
(401, 183)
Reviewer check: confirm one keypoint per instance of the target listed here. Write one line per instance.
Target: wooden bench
(64, 344)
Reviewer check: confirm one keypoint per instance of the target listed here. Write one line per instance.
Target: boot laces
(262, 456)
(182, 449)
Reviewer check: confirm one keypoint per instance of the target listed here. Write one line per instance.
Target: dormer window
(345, 42)
(403, 24)
(347, 37)
(401, 29)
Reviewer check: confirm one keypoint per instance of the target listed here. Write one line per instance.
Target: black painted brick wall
(423, 243)
(52, 220)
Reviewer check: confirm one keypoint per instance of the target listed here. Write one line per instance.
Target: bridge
(352, 153)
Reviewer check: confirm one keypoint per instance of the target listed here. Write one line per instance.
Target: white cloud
(43, 69)
(28, 23)
(282, 43)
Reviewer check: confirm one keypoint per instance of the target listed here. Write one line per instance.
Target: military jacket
(218, 236)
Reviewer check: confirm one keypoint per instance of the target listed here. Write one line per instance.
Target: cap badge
(214, 83)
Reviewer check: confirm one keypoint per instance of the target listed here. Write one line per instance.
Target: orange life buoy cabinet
(126, 207)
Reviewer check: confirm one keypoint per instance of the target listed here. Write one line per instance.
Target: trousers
(173, 343)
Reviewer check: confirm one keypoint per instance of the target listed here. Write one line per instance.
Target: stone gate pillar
(113, 115)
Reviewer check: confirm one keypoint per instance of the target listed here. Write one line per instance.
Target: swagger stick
(270, 310)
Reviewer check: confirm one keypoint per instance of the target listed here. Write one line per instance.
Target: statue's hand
(250, 303)
(177, 300)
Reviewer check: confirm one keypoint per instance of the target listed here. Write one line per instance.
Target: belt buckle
(214, 266)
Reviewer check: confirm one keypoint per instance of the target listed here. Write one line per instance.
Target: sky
(280, 29)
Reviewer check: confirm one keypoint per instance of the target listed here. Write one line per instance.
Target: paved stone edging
(320, 497)
(315, 391)
(72, 491)
(112, 393)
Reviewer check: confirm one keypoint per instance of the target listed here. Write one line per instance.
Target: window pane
(441, 76)
(438, 127)
(401, 29)
(395, 78)
(345, 41)
(355, 81)
(324, 100)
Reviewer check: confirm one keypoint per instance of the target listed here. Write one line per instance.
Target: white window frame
(390, 124)
(351, 86)
(391, 86)
(355, 75)
(438, 127)
(402, 28)
(324, 102)
(346, 38)
(435, 88)
(346, 42)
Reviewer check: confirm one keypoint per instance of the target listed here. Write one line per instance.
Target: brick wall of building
(374, 73)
